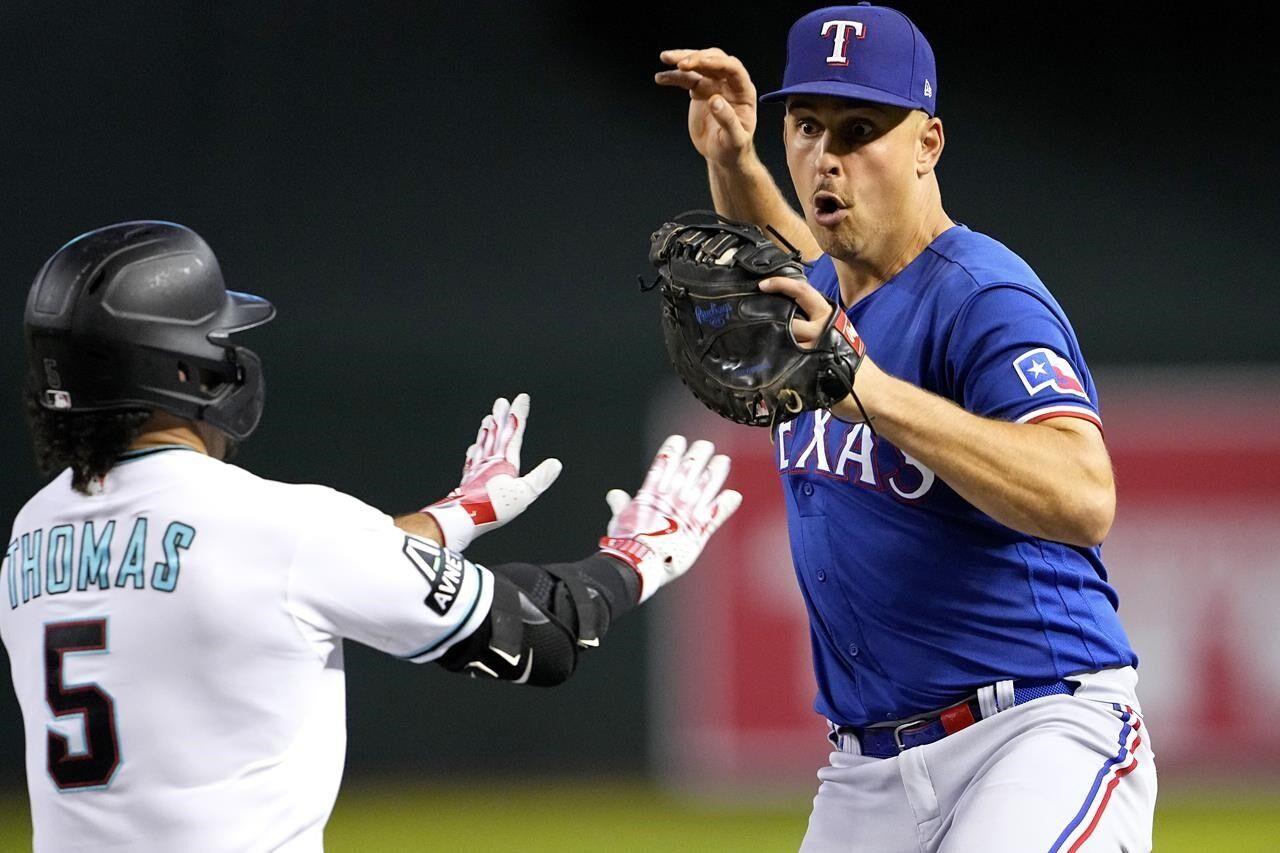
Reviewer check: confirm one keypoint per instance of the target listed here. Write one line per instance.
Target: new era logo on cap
(866, 53)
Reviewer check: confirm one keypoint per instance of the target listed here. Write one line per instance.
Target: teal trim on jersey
(135, 455)
(462, 624)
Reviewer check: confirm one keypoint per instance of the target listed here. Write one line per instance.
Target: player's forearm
(1037, 479)
(748, 193)
(542, 617)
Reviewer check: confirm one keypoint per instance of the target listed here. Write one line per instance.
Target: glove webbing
(722, 242)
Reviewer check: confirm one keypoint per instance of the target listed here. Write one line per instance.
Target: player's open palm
(492, 492)
(722, 101)
(662, 530)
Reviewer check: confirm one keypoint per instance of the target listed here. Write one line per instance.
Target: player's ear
(929, 143)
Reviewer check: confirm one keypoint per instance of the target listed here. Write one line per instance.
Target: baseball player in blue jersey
(977, 680)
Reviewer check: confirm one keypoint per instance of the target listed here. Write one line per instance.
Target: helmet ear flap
(238, 413)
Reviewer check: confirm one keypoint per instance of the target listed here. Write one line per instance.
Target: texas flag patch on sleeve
(1042, 368)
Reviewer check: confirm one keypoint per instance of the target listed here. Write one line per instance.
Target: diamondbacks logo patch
(442, 568)
(1042, 368)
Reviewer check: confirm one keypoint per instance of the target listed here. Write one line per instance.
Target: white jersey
(176, 649)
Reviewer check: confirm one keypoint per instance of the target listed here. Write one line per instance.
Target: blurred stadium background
(451, 201)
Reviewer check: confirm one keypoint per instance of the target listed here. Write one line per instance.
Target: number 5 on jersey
(97, 764)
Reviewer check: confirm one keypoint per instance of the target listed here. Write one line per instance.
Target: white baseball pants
(1060, 774)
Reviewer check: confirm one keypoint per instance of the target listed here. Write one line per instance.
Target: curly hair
(88, 443)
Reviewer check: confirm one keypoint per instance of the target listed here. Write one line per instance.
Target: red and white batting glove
(663, 529)
(492, 492)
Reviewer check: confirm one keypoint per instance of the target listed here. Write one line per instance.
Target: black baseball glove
(730, 342)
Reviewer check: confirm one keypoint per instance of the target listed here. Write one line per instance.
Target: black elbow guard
(541, 617)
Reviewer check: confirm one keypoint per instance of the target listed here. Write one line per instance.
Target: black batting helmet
(136, 316)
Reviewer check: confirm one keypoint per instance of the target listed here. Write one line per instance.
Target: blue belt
(889, 741)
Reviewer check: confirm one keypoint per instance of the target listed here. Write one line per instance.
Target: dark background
(448, 202)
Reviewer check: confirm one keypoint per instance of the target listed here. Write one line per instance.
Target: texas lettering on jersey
(850, 452)
(80, 556)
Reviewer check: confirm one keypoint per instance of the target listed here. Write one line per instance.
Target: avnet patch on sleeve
(443, 570)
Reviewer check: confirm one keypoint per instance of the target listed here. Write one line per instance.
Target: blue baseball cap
(864, 52)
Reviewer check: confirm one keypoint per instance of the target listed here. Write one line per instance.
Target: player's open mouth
(828, 209)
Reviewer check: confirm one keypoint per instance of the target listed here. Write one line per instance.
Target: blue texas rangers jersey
(915, 596)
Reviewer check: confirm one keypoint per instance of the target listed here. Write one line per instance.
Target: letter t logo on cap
(840, 50)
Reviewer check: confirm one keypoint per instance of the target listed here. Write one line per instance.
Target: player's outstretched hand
(662, 530)
(722, 101)
(492, 492)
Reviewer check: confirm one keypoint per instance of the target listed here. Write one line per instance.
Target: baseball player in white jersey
(946, 524)
(175, 623)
